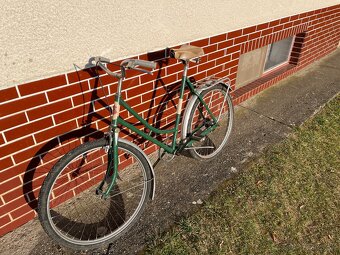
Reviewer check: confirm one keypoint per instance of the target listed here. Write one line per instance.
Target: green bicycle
(97, 191)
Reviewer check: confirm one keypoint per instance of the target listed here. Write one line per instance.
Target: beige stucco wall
(46, 37)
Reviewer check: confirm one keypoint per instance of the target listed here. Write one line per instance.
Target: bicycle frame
(172, 148)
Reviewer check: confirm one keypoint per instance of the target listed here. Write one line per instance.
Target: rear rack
(212, 80)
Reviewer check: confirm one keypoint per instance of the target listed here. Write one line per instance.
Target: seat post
(186, 66)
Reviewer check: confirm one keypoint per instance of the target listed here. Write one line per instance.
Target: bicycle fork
(112, 151)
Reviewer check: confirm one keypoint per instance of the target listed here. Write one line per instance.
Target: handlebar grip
(144, 63)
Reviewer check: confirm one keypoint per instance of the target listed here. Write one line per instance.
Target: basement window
(256, 63)
(278, 53)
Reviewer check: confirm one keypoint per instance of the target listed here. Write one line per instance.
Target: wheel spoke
(75, 213)
(220, 104)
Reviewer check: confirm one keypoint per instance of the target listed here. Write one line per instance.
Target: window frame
(269, 46)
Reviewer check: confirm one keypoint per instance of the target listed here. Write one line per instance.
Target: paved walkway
(261, 121)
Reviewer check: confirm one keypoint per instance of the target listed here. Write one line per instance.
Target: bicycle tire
(218, 99)
(93, 221)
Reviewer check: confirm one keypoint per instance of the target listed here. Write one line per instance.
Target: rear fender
(191, 103)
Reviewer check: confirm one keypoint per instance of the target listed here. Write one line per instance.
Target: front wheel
(70, 210)
(220, 104)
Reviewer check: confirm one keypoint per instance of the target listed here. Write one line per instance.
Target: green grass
(287, 202)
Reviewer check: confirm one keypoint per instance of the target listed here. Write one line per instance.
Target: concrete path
(260, 122)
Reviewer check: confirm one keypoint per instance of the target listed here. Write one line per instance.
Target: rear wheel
(73, 214)
(220, 104)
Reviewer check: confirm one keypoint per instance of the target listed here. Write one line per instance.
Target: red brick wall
(42, 120)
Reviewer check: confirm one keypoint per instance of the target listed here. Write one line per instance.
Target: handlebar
(126, 64)
(101, 59)
(117, 75)
(132, 63)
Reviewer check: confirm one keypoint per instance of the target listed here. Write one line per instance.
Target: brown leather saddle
(187, 52)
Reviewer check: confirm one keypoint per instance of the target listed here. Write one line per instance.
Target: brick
(12, 121)
(262, 26)
(133, 82)
(178, 67)
(201, 43)
(241, 39)
(249, 30)
(215, 55)
(232, 77)
(5, 220)
(284, 20)
(84, 100)
(5, 162)
(234, 34)
(166, 80)
(214, 70)
(145, 79)
(55, 131)
(8, 94)
(156, 55)
(98, 83)
(22, 104)
(223, 60)
(233, 49)
(26, 154)
(10, 184)
(274, 23)
(28, 128)
(218, 38)
(294, 17)
(192, 70)
(83, 74)
(223, 73)
(231, 63)
(225, 44)
(135, 91)
(266, 32)
(14, 199)
(2, 141)
(26, 208)
(16, 170)
(68, 91)
(277, 28)
(235, 55)
(288, 25)
(132, 74)
(42, 85)
(206, 66)
(12, 147)
(254, 35)
(49, 109)
(36, 182)
(210, 48)
(73, 113)
(17, 223)
(297, 22)
(233, 70)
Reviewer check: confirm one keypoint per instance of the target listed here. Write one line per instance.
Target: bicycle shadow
(50, 152)
(155, 114)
